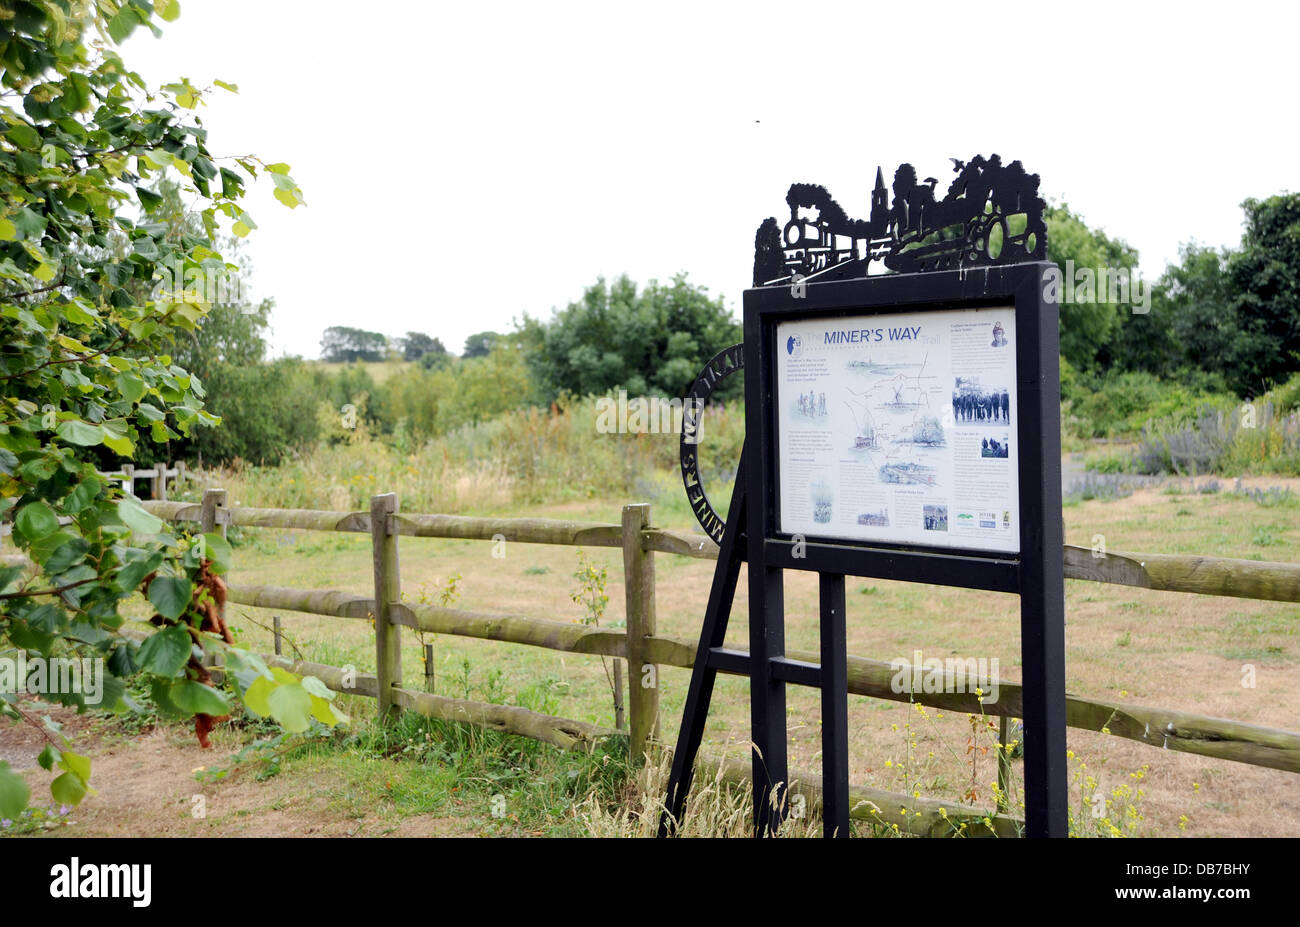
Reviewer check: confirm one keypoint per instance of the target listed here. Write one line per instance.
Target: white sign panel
(900, 427)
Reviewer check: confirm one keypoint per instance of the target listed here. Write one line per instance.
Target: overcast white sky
(466, 163)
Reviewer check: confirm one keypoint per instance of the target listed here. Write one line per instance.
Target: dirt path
(147, 786)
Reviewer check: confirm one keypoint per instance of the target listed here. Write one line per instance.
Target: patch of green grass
(1264, 537)
(1270, 654)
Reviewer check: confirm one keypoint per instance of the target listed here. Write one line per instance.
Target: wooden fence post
(159, 490)
(128, 478)
(388, 589)
(643, 675)
(213, 499)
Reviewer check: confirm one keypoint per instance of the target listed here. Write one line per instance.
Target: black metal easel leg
(766, 692)
(835, 707)
(731, 554)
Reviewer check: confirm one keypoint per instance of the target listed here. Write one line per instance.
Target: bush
(267, 412)
(1121, 405)
(1246, 438)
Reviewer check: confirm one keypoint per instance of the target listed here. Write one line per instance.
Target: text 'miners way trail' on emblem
(724, 364)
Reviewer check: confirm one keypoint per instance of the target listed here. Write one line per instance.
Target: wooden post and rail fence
(645, 650)
(126, 475)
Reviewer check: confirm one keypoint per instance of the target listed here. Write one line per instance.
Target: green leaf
(160, 691)
(195, 698)
(325, 712)
(123, 24)
(317, 688)
(83, 496)
(291, 705)
(290, 197)
(256, 696)
(218, 551)
(136, 518)
(13, 792)
(171, 595)
(130, 386)
(233, 88)
(81, 433)
(44, 548)
(30, 224)
(23, 135)
(166, 652)
(8, 231)
(66, 555)
(48, 757)
(167, 9)
(119, 443)
(133, 574)
(68, 789)
(146, 247)
(76, 764)
(35, 520)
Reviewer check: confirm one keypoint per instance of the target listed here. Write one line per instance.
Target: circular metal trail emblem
(724, 364)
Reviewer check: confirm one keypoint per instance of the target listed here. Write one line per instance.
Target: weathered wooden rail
(646, 650)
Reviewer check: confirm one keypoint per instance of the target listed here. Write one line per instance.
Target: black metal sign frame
(1035, 573)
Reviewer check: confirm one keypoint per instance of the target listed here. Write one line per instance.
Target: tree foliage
(85, 362)
(1229, 314)
(416, 346)
(479, 344)
(652, 341)
(1087, 328)
(1265, 280)
(340, 343)
(422, 403)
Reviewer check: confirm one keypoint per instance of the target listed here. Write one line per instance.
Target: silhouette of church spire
(879, 206)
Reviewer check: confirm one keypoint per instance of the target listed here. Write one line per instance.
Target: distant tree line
(1220, 321)
(342, 344)
(1224, 318)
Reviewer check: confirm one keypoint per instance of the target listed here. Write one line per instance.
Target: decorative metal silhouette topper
(991, 214)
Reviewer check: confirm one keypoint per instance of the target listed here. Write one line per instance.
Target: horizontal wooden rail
(921, 817)
(514, 629)
(1158, 727)
(525, 530)
(1223, 576)
(508, 719)
(329, 602)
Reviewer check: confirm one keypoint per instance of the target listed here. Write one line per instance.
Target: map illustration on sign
(899, 428)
